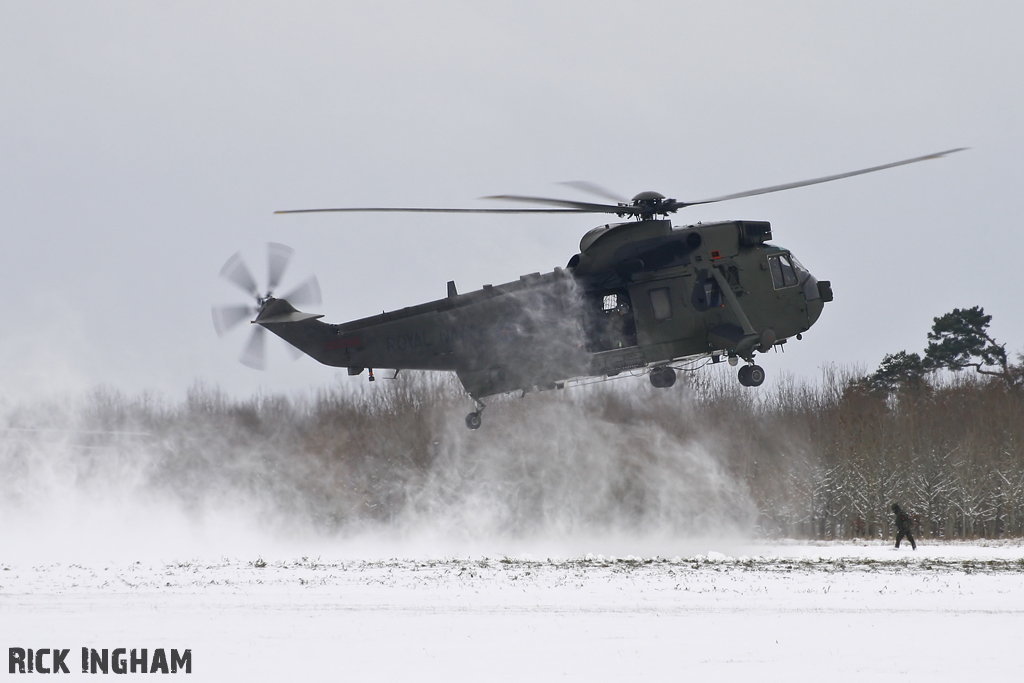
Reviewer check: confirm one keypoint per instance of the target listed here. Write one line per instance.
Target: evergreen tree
(960, 340)
(899, 371)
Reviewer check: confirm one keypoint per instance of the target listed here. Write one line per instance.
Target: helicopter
(641, 296)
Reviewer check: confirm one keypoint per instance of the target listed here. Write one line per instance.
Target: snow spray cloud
(391, 467)
(574, 474)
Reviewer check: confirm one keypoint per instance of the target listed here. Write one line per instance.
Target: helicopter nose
(814, 309)
(817, 304)
(825, 290)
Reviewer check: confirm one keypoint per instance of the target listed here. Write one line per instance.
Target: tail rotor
(230, 316)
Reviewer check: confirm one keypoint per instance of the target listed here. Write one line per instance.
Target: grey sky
(141, 144)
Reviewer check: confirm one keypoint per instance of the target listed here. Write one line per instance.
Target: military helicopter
(639, 295)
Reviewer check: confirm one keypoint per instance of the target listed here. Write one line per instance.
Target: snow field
(779, 613)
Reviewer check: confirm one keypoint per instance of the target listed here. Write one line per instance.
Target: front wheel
(474, 420)
(751, 375)
(756, 375)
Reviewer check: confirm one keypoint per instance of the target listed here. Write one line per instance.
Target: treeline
(829, 461)
(820, 460)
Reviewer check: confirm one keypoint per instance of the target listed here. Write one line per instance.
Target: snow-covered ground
(786, 612)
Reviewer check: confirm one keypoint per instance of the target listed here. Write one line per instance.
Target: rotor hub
(650, 203)
(648, 197)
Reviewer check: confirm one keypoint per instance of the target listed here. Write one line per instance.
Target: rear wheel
(474, 420)
(663, 378)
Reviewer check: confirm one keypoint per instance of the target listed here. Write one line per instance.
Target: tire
(755, 376)
(663, 378)
(744, 375)
(474, 420)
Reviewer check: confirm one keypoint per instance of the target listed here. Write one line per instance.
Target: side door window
(706, 292)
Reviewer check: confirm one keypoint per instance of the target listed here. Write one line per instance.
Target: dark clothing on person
(909, 536)
(903, 527)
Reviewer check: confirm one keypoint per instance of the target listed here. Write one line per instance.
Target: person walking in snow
(903, 526)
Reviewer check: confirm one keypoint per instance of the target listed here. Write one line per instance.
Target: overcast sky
(142, 143)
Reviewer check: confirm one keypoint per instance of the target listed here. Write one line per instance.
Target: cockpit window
(801, 272)
(809, 282)
(787, 271)
(783, 273)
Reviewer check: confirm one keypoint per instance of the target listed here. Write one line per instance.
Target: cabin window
(610, 302)
(783, 274)
(661, 304)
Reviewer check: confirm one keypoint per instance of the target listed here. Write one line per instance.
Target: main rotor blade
(237, 272)
(227, 317)
(277, 260)
(631, 209)
(254, 354)
(582, 207)
(306, 294)
(825, 179)
(595, 189)
(392, 209)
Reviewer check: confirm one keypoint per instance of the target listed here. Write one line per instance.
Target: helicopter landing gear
(663, 378)
(475, 419)
(751, 375)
